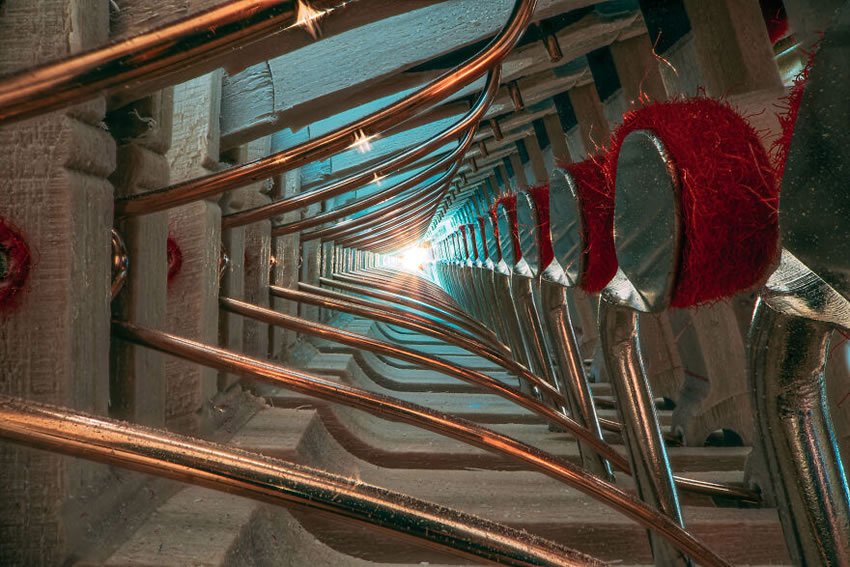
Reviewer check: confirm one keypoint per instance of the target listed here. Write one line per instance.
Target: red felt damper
(15, 261)
(509, 203)
(596, 203)
(465, 245)
(540, 196)
(175, 258)
(729, 195)
(495, 218)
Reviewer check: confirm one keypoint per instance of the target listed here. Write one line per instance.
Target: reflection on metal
(274, 481)
(223, 261)
(146, 62)
(647, 224)
(789, 343)
(418, 416)
(337, 140)
(383, 168)
(647, 243)
(567, 242)
(120, 263)
(642, 434)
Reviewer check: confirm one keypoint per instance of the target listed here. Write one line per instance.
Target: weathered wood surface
(192, 306)
(328, 79)
(143, 131)
(53, 339)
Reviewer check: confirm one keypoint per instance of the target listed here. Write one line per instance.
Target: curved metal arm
(787, 355)
(336, 140)
(418, 416)
(384, 167)
(645, 444)
(146, 60)
(275, 481)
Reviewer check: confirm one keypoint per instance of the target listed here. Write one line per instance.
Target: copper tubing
(351, 284)
(144, 62)
(425, 418)
(390, 231)
(414, 199)
(329, 232)
(392, 220)
(427, 361)
(385, 167)
(339, 139)
(274, 481)
(378, 197)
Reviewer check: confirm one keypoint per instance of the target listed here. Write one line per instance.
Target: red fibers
(471, 234)
(463, 237)
(540, 196)
(729, 195)
(15, 264)
(175, 258)
(790, 108)
(509, 203)
(482, 235)
(494, 217)
(775, 18)
(596, 200)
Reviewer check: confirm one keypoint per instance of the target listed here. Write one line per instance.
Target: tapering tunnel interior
(424, 282)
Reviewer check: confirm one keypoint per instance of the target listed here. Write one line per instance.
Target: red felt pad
(17, 262)
(175, 258)
(596, 203)
(540, 196)
(729, 195)
(495, 218)
(509, 202)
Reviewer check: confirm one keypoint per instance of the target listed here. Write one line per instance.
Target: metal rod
(144, 62)
(341, 138)
(383, 168)
(274, 481)
(418, 416)
(642, 434)
(788, 356)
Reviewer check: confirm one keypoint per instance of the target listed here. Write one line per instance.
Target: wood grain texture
(53, 184)
(192, 305)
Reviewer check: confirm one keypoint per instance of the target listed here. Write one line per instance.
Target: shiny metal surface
(527, 228)
(789, 343)
(567, 357)
(463, 128)
(567, 241)
(642, 434)
(274, 481)
(120, 263)
(339, 139)
(418, 416)
(647, 225)
(146, 61)
(813, 204)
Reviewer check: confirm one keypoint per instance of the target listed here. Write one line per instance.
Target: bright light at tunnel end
(413, 258)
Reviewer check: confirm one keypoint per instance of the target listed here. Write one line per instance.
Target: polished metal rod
(788, 356)
(418, 416)
(341, 138)
(382, 168)
(391, 221)
(648, 458)
(144, 63)
(275, 481)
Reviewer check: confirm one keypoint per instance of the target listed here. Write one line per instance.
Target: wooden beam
(324, 79)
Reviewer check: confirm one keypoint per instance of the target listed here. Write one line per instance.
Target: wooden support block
(143, 130)
(539, 168)
(732, 46)
(54, 337)
(192, 306)
(637, 69)
(557, 139)
(661, 358)
(590, 115)
(519, 170)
